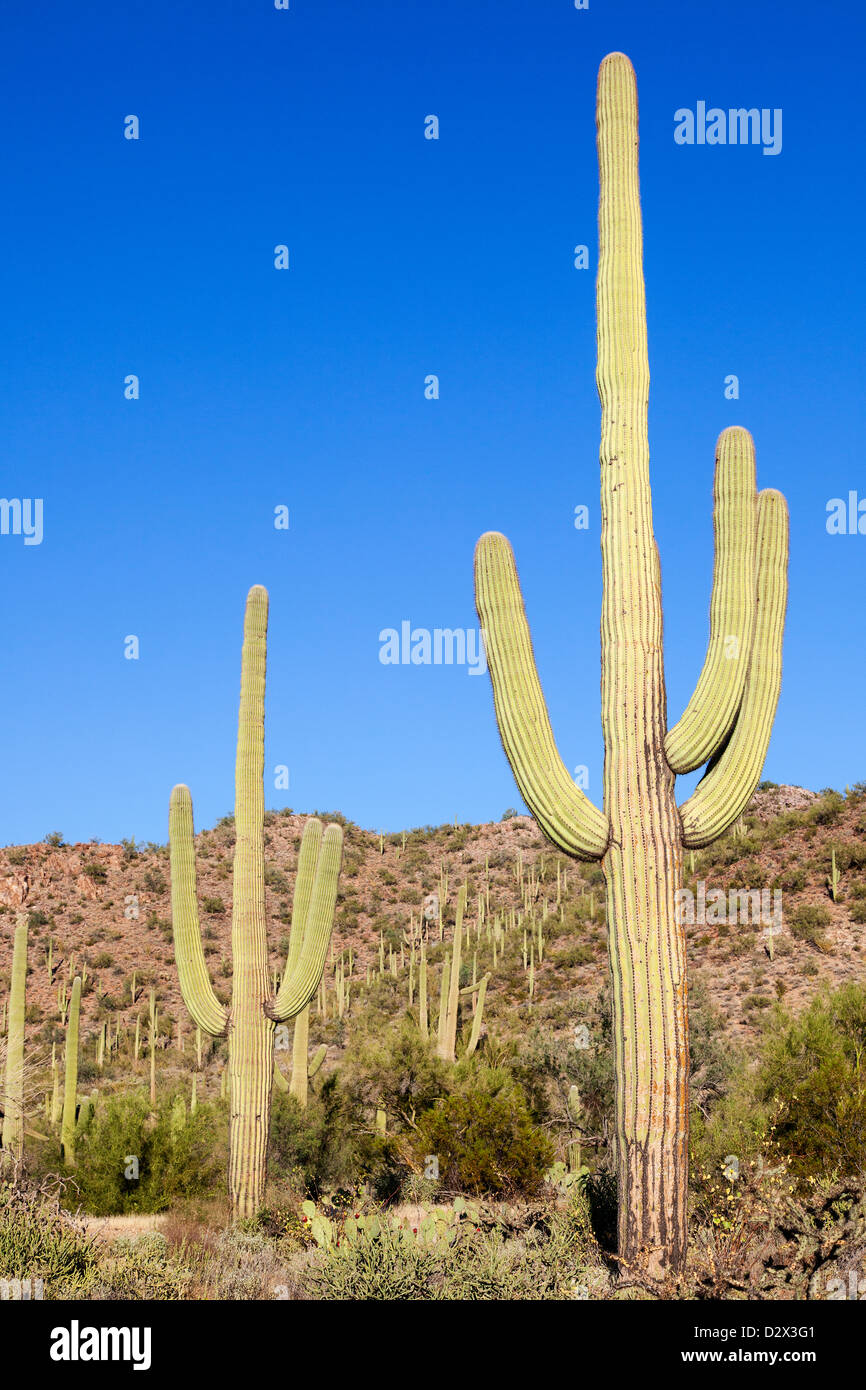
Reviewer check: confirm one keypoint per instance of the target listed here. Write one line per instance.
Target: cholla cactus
(640, 835)
(250, 1019)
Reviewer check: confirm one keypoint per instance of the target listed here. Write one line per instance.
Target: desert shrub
(95, 871)
(246, 1264)
(850, 855)
(812, 1068)
(140, 1268)
(174, 1161)
(276, 879)
(484, 1137)
(808, 923)
(213, 905)
(323, 1147)
(154, 881)
(828, 808)
(857, 911)
(554, 1262)
(575, 953)
(791, 880)
(38, 1240)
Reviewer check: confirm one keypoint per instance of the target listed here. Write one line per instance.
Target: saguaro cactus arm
(196, 988)
(319, 865)
(566, 816)
(710, 714)
(726, 790)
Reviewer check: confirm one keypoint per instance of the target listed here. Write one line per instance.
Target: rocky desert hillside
(107, 908)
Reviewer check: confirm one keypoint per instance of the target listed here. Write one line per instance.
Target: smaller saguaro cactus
(249, 1020)
(152, 1041)
(13, 1097)
(833, 877)
(70, 1090)
(423, 1021)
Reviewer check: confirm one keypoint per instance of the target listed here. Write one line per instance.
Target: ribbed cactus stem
(448, 1043)
(152, 1041)
(70, 1088)
(423, 1022)
(56, 1096)
(442, 1031)
(478, 1016)
(317, 1059)
(300, 1047)
(13, 1093)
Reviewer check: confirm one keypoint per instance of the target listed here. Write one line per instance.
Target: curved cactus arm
(475, 1034)
(712, 710)
(280, 1081)
(724, 793)
(308, 858)
(198, 995)
(301, 981)
(566, 816)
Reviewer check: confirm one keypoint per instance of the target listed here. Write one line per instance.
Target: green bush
(40, 1241)
(484, 1137)
(175, 1161)
(392, 1265)
(812, 1069)
(808, 923)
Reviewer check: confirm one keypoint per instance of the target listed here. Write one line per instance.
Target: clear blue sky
(305, 387)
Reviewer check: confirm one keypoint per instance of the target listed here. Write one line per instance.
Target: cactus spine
(13, 1098)
(70, 1089)
(640, 836)
(254, 1011)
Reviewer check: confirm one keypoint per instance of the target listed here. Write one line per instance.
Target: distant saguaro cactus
(640, 835)
(70, 1088)
(13, 1092)
(250, 1019)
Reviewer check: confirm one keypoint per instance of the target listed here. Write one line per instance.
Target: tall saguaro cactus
(250, 1019)
(13, 1091)
(640, 835)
